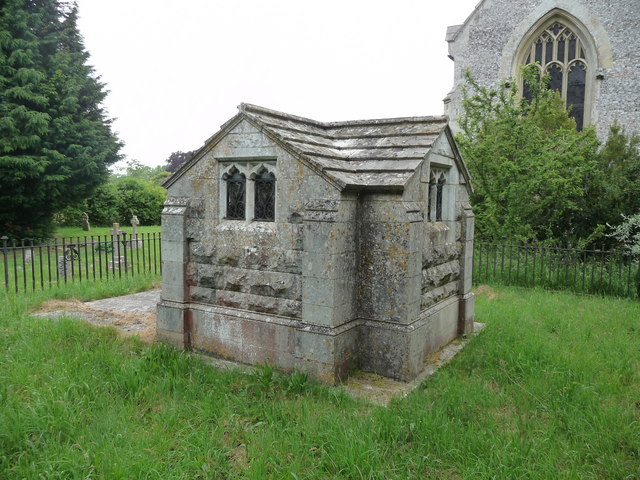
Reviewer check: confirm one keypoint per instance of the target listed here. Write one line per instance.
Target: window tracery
(435, 195)
(562, 55)
(265, 196)
(248, 191)
(236, 190)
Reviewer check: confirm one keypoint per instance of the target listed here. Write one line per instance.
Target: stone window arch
(565, 51)
(236, 192)
(264, 193)
(247, 190)
(436, 195)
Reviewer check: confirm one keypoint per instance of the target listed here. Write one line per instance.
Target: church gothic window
(435, 195)
(562, 55)
(236, 190)
(265, 196)
(248, 191)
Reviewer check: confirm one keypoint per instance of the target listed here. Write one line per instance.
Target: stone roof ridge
(388, 121)
(256, 109)
(250, 108)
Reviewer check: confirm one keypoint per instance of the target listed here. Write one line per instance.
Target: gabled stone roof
(378, 154)
(373, 153)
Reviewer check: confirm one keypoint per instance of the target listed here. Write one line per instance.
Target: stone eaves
(377, 154)
(374, 154)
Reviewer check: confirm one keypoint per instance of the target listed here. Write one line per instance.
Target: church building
(589, 48)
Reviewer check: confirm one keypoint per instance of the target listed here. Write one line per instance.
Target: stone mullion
(250, 200)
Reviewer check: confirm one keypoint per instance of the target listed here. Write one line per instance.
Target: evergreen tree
(55, 141)
(531, 168)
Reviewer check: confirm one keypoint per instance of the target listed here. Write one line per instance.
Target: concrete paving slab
(143, 302)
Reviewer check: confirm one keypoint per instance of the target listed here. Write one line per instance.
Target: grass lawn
(78, 232)
(550, 389)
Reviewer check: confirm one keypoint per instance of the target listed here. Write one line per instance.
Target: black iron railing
(582, 271)
(39, 264)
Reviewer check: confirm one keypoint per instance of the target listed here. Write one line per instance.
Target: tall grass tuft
(548, 390)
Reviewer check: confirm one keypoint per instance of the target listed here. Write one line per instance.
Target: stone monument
(85, 222)
(319, 246)
(134, 225)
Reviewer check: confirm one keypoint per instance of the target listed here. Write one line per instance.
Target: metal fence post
(5, 257)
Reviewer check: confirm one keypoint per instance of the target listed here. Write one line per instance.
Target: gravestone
(64, 269)
(28, 257)
(118, 235)
(85, 222)
(134, 225)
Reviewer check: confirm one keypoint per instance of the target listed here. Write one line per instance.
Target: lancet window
(436, 192)
(265, 196)
(236, 194)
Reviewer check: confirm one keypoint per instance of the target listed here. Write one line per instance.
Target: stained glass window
(560, 53)
(236, 188)
(265, 196)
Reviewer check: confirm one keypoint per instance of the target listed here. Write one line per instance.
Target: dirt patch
(490, 293)
(128, 324)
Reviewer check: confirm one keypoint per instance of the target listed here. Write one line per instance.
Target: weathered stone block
(318, 314)
(173, 251)
(169, 318)
(333, 237)
(330, 266)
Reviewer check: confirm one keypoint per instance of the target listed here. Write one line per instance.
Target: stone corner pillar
(173, 315)
(466, 306)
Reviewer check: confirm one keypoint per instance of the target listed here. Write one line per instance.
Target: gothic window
(439, 192)
(236, 193)
(435, 196)
(561, 54)
(248, 190)
(265, 196)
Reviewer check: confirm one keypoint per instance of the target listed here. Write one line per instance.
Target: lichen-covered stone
(349, 274)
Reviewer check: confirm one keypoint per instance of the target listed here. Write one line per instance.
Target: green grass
(95, 259)
(78, 232)
(550, 389)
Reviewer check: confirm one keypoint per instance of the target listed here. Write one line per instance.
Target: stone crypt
(319, 246)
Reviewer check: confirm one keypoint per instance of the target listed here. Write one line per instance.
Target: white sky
(177, 70)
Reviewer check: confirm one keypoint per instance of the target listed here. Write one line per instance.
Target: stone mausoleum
(319, 246)
(589, 48)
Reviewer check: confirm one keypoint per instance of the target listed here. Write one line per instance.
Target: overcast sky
(177, 70)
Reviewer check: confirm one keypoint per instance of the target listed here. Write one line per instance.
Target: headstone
(28, 258)
(63, 267)
(85, 222)
(134, 224)
(116, 232)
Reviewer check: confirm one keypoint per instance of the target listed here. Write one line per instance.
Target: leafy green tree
(618, 186)
(136, 169)
(55, 141)
(529, 164)
(117, 201)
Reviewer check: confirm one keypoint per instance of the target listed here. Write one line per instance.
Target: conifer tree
(55, 141)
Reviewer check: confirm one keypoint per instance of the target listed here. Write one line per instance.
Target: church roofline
(454, 30)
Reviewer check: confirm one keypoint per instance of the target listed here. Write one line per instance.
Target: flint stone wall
(487, 42)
